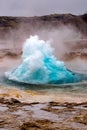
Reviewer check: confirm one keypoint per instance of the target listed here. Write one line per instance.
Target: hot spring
(40, 66)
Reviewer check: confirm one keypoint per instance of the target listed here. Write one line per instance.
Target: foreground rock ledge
(15, 115)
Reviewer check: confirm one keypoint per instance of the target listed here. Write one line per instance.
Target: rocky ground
(15, 115)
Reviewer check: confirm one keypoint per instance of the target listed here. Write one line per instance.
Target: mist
(60, 38)
(64, 40)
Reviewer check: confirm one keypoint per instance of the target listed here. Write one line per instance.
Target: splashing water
(40, 66)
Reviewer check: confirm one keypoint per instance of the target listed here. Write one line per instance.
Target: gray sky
(41, 7)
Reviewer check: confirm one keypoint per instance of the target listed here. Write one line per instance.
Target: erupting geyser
(40, 66)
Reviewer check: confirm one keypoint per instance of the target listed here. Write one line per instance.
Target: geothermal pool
(40, 66)
(13, 84)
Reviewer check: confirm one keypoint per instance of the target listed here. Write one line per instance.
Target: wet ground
(15, 115)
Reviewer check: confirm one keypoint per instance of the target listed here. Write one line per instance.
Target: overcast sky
(41, 7)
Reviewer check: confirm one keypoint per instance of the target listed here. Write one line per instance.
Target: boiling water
(40, 66)
(42, 75)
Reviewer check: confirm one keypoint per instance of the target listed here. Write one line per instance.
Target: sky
(41, 7)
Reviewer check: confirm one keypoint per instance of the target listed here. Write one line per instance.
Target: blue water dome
(40, 66)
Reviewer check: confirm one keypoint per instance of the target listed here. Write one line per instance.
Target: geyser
(40, 66)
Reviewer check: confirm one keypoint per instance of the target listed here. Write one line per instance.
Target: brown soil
(15, 115)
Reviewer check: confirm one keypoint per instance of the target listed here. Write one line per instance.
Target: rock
(82, 118)
(9, 101)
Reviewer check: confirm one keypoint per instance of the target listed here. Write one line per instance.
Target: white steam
(59, 38)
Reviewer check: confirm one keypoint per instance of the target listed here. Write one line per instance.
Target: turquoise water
(80, 87)
(70, 92)
(40, 66)
(40, 71)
